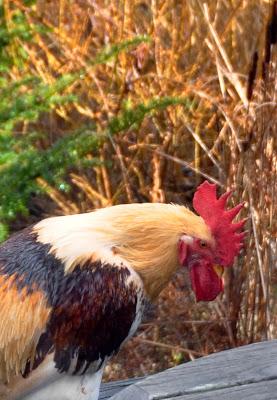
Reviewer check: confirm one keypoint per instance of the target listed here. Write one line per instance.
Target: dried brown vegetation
(222, 57)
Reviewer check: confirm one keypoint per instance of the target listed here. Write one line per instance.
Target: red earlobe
(182, 252)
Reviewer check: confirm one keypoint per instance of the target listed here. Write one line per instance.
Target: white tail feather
(46, 383)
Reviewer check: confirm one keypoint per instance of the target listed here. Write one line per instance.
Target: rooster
(74, 288)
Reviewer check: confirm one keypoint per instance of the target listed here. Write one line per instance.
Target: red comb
(228, 235)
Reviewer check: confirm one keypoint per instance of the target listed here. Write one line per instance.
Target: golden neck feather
(146, 236)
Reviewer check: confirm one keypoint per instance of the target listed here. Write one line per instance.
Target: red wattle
(206, 284)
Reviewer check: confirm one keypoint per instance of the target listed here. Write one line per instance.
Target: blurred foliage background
(106, 102)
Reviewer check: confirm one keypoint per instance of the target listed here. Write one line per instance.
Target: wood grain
(243, 369)
(111, 388)
(254, 391)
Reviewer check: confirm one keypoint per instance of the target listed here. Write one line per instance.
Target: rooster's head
(206, 259)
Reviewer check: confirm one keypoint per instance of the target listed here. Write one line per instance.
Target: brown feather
(23, 317)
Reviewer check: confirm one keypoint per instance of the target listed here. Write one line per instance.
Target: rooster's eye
(202, 243)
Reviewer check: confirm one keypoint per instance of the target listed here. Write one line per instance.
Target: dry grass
(202, 51)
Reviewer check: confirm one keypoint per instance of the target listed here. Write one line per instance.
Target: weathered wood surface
(248, 372)
(111, 388)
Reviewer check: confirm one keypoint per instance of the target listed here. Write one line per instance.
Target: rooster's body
(74, 288)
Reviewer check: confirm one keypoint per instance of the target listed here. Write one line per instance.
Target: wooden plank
(111, 388)
(254, 391)
(241, 366)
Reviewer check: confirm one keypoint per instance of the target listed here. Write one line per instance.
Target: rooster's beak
(218, 269)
